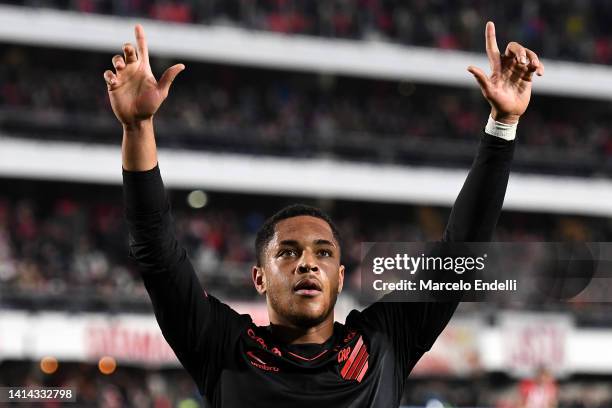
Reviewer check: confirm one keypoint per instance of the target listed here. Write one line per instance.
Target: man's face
(301, 274)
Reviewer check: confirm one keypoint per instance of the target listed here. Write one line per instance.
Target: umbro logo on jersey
(259, 363)
(356, 364)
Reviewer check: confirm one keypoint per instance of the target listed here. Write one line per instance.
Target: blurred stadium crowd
(71, 243)
(137, 388)
(256, 111)
(576, 30)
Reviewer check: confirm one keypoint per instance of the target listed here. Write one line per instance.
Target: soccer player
(303, 358)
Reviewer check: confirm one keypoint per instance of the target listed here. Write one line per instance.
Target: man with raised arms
(303, 358)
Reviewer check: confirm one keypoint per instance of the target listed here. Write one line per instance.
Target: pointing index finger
(141, 41)
(492, 49)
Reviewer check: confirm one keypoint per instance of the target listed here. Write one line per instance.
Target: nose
(307, 263)
(307, 267)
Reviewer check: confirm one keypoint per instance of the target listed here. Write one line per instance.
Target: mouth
(307, 287)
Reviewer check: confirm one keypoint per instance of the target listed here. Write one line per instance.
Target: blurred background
(361, 107)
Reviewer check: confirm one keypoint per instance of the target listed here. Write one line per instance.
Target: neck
(291, 334)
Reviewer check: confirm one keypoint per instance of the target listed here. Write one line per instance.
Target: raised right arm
(198, 327)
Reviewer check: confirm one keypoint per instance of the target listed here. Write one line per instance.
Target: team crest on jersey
(354, 361)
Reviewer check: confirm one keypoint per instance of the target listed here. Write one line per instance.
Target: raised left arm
(508, 91)
(413, 327)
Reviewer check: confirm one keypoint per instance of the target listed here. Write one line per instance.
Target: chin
(308, 319)
(306, 313)
(310, 314)
(303, 312)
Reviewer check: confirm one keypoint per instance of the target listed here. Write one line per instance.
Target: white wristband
(499, 129)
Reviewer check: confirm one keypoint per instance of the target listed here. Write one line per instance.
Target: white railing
(320, 178)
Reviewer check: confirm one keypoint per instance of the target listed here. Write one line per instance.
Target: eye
(325, 252)
(287, 252)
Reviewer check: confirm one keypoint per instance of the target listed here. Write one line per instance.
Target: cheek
(277, 280)
(333, 278)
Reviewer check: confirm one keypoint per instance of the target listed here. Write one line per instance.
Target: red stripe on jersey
(360, 364)
(352, 373)
(356, 351)
(362, 372)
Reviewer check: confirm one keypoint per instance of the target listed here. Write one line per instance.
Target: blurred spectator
(539, 392)
(171, 10)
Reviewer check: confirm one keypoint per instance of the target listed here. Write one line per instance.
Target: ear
(259, 279)
(340, 278)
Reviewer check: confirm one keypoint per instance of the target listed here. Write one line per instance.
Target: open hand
(134, 93)
(508, 88)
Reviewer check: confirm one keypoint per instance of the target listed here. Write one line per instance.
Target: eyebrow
(293, 242)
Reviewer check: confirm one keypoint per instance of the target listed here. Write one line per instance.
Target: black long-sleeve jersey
(238, 364)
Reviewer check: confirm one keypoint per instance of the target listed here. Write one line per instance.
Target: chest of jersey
(351, 371)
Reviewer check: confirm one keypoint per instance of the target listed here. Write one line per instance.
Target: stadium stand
(576, 30)
(44, 267)
(296, 114)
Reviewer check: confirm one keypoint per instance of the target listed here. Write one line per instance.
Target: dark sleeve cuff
(143, 191)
